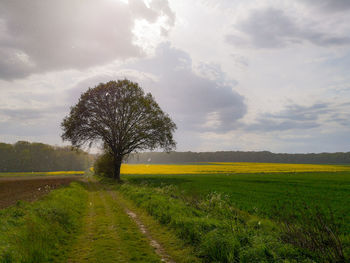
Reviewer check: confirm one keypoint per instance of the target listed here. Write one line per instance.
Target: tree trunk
(117, 165)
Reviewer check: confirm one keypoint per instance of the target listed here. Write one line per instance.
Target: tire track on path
(109, 234)
(154, 243)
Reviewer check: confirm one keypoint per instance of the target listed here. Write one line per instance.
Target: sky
(241, 75)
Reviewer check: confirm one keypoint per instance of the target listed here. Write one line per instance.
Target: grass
(42, 231)
(263, 194)
(308, 210)
(109, 235)
(210, 216)
(84, 222)
(217, 231)
(176, 248)
(56, 173)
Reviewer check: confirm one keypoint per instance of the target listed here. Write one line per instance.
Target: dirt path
(110, 234)
(160, 251)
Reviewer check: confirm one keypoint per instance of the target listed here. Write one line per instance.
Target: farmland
(13, 189)
(56, 173)
(260, 193)
(196, 212)
(228, 168)
(268, 191)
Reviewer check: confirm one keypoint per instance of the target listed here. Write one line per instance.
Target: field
(205, 212)
(228, 168)
(84, 222)
(271, 191)
(262, 194)
(56, 173)
(256, 187)
(13, 189)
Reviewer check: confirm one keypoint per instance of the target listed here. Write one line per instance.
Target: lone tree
(122, 117)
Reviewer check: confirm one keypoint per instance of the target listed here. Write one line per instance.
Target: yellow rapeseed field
(66, 173)
(212, 168)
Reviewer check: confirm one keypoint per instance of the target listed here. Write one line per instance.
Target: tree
(121, 116)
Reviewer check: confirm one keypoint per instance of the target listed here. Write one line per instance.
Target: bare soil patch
(30, 188)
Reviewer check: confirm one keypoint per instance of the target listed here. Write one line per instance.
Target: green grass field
(262, 193)
(312, 202)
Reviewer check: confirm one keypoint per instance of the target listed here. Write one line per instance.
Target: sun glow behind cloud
(147, 35)
(235, 74)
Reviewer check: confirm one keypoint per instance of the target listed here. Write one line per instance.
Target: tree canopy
(122, 117)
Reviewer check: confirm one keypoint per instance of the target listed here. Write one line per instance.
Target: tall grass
(41, 231)
(314, 230)
(219, 232)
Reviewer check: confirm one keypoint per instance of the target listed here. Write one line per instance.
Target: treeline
(38, 157)
(239, 156)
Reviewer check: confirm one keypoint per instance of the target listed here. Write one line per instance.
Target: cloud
(329, 5)
(30, 122)
(200, 102)
(273, 28)
(297, 117)
(29, 114)
(39, 36)
(197, 101)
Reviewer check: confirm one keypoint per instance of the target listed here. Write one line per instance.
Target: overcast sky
(233, 74)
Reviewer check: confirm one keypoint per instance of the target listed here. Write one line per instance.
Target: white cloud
(286, 89)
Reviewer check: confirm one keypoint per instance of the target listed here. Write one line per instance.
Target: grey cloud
(30, 122)
(329, 5)
(302, 113)
(297, 117)
(25, 114)
(198, 102)
(273, 28)
(55, 35)
(239, 60)
(265, 124)
(14, 63)
(203, 102)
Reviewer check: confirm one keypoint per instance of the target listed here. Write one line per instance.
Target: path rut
(110, 234)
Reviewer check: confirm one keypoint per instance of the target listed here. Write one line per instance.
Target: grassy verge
(176, 248)
(218, 232)
(42, 231)
(109, 235)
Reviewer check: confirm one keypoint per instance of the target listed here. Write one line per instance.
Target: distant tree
(122, 117)
(38, 157)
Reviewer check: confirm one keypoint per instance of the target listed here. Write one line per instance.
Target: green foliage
(110, 235)
(262, 194)
(103, 165)
(123, 117)
(219, 232)
(296, 234)
(38, 232)
(315, 231)
(38, 157)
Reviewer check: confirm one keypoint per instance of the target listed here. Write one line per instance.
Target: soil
(13, 189)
